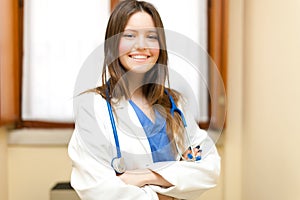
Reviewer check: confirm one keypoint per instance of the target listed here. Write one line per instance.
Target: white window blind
(187, 44)
(58, 36)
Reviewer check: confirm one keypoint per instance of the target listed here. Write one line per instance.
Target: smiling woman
(154, 148)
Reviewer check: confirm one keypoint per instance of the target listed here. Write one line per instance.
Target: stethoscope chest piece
(118, 165)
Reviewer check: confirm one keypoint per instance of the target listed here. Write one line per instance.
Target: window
(216, 37)
(58, 36)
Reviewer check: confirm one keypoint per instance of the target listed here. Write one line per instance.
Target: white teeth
(139, 57)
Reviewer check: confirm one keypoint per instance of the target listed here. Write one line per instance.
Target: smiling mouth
(139, 58)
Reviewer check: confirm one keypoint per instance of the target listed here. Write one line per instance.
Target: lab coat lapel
(132, 137)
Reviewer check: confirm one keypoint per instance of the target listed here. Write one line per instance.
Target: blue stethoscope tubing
(174, 108)
(118, 162)
(113, 125)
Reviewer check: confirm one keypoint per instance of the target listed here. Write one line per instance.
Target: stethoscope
(118, 163)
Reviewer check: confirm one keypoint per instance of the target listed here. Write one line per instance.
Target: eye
(129, 35)
(152, 36)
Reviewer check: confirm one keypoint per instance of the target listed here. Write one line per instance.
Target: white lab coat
(92, 147)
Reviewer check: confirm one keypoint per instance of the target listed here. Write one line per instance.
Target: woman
(131, 116)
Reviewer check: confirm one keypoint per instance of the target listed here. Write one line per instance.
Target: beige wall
(3, 164)
(233, 133)
(271, 161)
(262, 136)
(33, 170)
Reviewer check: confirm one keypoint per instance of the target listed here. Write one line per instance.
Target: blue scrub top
(156, 134)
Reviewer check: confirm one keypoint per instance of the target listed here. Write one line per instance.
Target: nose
(140, 43)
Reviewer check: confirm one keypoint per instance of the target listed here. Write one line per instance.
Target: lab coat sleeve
(92, 176)
(191, 179)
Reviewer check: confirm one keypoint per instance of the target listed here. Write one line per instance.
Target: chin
(142, 69)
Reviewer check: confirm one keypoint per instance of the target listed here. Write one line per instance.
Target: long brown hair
(156, 77)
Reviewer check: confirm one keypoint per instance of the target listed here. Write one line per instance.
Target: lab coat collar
(125, 112)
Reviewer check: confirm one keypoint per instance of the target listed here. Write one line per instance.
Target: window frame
(9, 63)
(10, 113)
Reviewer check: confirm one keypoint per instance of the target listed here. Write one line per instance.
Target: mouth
(139, 57)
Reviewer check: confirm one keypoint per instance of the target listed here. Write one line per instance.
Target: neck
(140, 100)
(135, 83)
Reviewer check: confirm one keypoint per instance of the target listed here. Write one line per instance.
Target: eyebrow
(137, 30)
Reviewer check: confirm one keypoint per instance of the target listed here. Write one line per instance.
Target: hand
(197, 152)
(133, 178)
(164, 197)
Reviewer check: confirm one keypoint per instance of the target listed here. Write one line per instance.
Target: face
(139, 45)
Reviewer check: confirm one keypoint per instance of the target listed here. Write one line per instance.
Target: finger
(186, 153)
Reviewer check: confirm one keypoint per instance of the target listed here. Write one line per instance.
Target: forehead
(140, 20)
